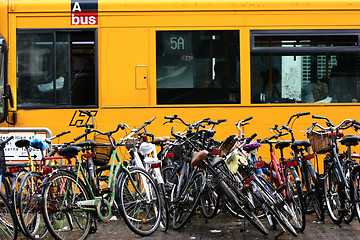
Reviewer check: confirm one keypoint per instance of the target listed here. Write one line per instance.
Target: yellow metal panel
(122, 49)
(182, 5)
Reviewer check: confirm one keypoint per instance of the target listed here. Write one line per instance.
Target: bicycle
(69, 207)
(28, 195)
(143, 155)
(8, 221)
(336, 185)
(283, 174)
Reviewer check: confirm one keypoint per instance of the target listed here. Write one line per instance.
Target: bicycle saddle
(282, 145)
(300, 143)
(70, 151)
(22, 143)
(350, 140)
(198, 157)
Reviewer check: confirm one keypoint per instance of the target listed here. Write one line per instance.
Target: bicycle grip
(79, 137)
(303, 114)
(63, 133)
(171, 117)
(221, 120)
(318, 117)
(247, 119)
(356, 122)
(251, 138)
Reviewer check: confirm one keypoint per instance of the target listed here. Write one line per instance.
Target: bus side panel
(124, 57)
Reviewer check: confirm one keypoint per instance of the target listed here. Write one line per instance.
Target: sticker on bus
(15, 155)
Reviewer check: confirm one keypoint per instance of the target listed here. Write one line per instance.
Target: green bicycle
(71, 204)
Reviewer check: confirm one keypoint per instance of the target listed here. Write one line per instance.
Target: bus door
(5, 91)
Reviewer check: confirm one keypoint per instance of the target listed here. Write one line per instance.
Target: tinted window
(303, 67)
(56, 68)
(197, 67)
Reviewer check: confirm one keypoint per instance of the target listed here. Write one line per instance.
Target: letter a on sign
(84, 12)
(76, 7)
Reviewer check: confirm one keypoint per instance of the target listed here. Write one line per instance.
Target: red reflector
(291, 163)
(14, 170)
(215, 151)
(156, 165)
(355, 155)
(248, 180)
(259, 164)
(341, 156)
(170, 155)
(310, 156)
(88, 155)
(47, 170)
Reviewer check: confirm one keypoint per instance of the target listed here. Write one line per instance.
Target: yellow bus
(130, 60)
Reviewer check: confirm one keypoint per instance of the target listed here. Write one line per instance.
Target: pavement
(224, 226)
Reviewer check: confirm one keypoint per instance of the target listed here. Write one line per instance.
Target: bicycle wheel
(356, 190)
(15, 185)
(332, 197)
(314, 192)
(349, 204)
(276, 204)
(249, 213)
(139, 201)
(294, 197)
(165, 217)
(209, 202)
(28, 202)
(63, 217)
(186, 204)
(8, 224)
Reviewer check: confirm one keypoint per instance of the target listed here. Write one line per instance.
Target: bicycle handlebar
(3, 143)
(48, 140)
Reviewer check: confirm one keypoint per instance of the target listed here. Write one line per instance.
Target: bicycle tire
(15, 185)
(295, 199)
(29, 202)
(209, 202)
(8, 223)
(131, 192)
(241, 207)
(349, 205)
(355, 176)
(63, 190)
(332, 198)
(276, 204)
(187, 203)
(315, 192)
(165, 216)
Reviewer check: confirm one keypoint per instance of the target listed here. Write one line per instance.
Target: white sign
(15, 154)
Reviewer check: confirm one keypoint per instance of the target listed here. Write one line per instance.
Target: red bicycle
(283, 174)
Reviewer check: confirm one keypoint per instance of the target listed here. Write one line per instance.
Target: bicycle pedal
(93, 228)
(281, 188)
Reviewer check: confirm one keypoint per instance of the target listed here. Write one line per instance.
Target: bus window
(305, 67)
(197, 67)
(56, 68)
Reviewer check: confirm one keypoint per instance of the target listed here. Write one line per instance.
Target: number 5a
(177, 43)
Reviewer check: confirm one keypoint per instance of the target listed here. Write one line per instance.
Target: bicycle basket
(102, 153)
(229, 144)
(319, 141)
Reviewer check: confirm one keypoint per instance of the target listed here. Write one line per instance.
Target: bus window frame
(66, 30)
(304, 32)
